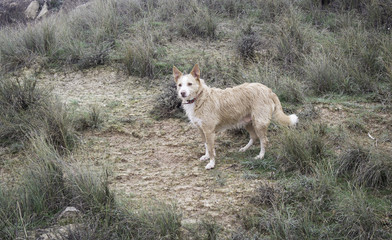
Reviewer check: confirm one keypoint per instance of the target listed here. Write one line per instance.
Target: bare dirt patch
(152, 159)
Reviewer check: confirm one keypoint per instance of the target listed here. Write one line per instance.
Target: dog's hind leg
(261, 120)
(261, 132)
(253, 137)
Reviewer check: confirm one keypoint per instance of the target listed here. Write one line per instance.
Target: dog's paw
(243, 149)
(210, 165)
(260, 156)
(204, 158)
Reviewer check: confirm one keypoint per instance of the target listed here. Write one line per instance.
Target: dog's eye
(189, 84)
(180, 85)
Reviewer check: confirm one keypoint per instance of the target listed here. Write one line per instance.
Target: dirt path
(153, 159)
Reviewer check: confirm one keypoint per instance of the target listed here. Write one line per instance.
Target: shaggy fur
(250, 105)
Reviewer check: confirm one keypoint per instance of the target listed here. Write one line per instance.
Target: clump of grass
(266, 195)
(196, 21)
(270, 10)
(356, 124)
(23, 46)
(27, 108)
(302, 149)
(291, 40)
(167, 104)
(323, 75)
(288, 89)
(365, 167)
(247, 44)
(92, 119)
(358, 216)
(140, 55)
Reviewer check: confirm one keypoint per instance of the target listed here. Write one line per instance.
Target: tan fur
(250, 105)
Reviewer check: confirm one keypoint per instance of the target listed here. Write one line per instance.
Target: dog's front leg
(210, 140)
(205, 156)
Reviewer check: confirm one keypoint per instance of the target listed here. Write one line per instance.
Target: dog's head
(187, 85)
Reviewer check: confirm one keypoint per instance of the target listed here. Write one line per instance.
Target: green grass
(27, 109)
(323, 187)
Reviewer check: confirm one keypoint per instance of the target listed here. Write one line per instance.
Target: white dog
(250, 105)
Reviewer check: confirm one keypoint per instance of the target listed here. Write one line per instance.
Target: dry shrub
(366, 167)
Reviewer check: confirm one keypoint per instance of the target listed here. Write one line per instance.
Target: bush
(23, 46)
(27, 109)
(196, 21)
(167, 104)
(247, 44)
(302, 149)
(366, 167)
(358, 216)
(140, 56)
(324, 75)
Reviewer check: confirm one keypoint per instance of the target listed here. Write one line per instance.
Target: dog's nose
(183, 94)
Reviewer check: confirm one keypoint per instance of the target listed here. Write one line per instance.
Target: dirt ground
(153, 159)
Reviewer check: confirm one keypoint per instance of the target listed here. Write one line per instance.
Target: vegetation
(323, 185)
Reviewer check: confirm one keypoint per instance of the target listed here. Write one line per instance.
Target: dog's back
(237, 106)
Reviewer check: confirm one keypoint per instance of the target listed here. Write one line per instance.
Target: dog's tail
(280, 117)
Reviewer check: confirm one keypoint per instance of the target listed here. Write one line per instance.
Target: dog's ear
(176, 73)
(196, 71)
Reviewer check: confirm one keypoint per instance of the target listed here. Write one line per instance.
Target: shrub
(140, 56)
(247, 44)
(167, 104)
(92, 119)
(27, 109)
(22, 46)
(324, 75)
(302, 149)
(196, 21)
(358, 216)
(366, 167)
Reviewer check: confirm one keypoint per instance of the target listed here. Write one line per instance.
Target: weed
(366, 167)
(197, 21)
(266, 195)
(24, 45)
(167, 104)
(27, 108)
(248, 43)
(359, 217)
(302, 149)
(90, 120)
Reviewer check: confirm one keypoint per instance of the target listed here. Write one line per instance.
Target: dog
(250, 105)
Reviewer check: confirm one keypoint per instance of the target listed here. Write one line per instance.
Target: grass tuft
(302, 149)
(366, 167)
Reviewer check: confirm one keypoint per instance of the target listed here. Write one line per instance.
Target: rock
(32, 10)
(69, 215)
(59, 232)
(43, 11)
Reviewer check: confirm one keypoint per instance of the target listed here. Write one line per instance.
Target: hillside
(91, 120)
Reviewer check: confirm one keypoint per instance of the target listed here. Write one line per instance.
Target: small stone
(32, 10)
